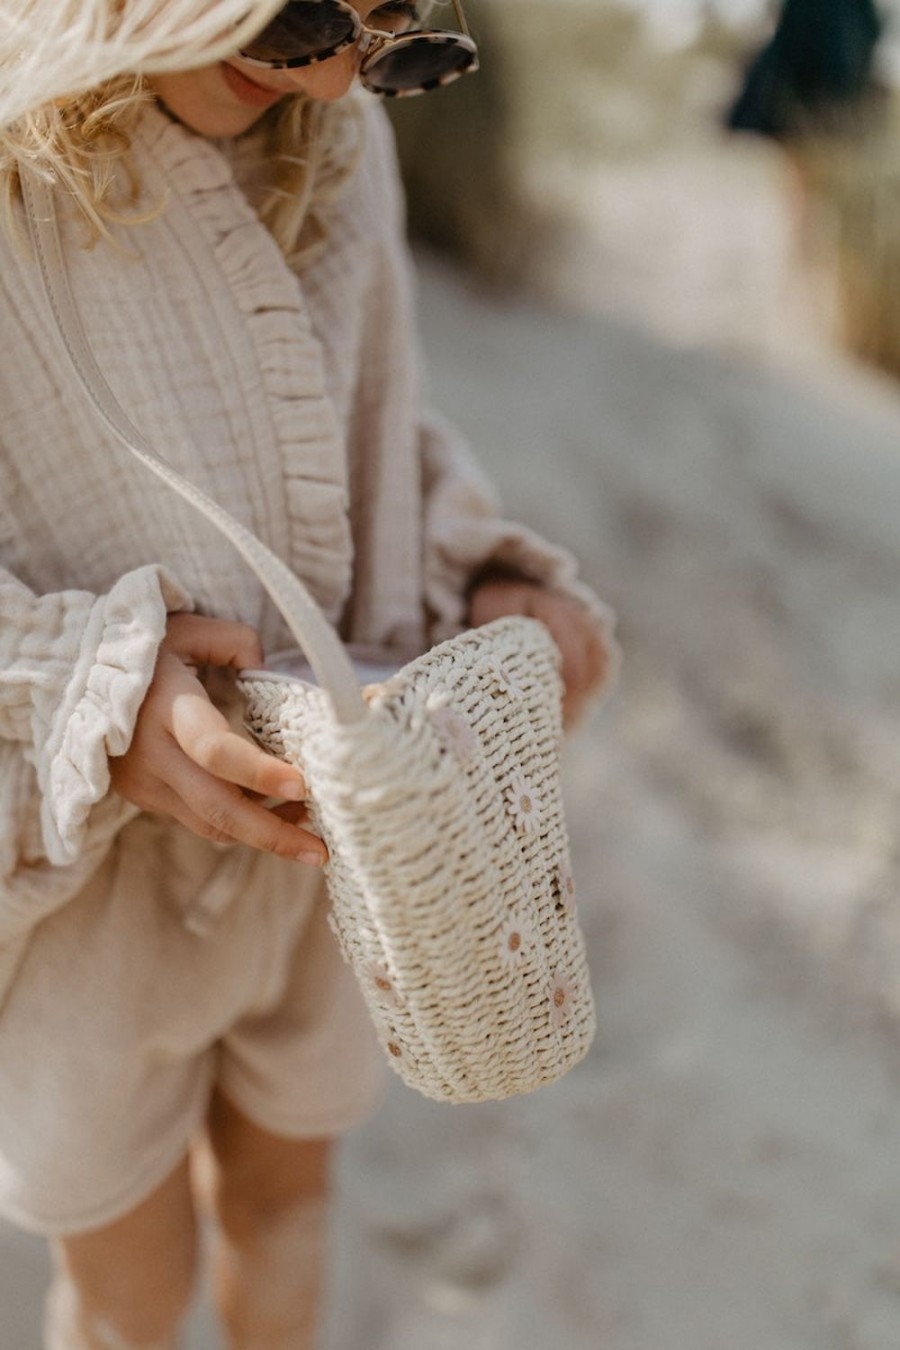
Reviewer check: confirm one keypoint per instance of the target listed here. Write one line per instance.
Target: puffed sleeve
(74, 669)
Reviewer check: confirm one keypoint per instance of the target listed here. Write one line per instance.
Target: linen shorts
(120, 1020)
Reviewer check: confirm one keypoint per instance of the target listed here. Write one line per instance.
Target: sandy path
(724, 1170)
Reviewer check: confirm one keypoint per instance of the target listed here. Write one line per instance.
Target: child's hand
(186, 762)
(585, 660)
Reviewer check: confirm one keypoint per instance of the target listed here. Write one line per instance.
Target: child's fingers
(574, 663)
(580, 641)
(203, 733)
(225, 755)
(220, 811)
(582, 649)
(584, 658)
(295, 813)
(598, 658)
(567, 631)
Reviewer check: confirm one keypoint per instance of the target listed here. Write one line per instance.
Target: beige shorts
(120, 1020)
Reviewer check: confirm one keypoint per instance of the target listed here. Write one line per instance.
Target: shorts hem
(324, 1124)
(165, 1161)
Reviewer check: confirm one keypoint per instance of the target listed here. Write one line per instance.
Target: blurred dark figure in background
(816, 90)
(816, 74)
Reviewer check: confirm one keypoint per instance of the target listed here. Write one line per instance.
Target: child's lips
(248, 91)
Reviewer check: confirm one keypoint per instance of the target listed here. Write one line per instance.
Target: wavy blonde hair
(83, 140)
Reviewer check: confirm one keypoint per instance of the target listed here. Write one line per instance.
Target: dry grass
(853, 189)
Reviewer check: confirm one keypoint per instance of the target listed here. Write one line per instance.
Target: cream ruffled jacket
(292, 399)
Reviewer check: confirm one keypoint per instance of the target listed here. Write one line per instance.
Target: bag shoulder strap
(312, 631)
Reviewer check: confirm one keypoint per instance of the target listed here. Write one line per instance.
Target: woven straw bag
(450, 878)
(438, 795)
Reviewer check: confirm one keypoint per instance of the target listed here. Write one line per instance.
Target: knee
(256, 1198)
(117, 1314)
(130, 1284)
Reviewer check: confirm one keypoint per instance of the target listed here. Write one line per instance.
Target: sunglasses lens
(420, 64)
(304, 28)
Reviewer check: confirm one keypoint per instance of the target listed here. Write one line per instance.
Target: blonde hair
(313, 148)
(53, 50)
(83, 140)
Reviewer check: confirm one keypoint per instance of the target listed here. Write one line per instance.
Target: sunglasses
(399, 57)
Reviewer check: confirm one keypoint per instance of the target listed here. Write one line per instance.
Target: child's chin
(203, 102)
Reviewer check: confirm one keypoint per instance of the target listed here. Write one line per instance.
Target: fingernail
(313, 859)
(292, 791)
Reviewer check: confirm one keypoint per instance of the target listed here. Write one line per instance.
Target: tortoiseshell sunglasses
(399, 56)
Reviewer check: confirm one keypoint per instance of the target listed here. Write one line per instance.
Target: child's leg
(127, 1286)
(270, 1197)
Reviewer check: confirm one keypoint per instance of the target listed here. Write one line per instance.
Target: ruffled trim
(303, 419)
(97, 714)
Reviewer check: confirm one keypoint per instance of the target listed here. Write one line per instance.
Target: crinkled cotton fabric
(293, 399)
(119, 1020)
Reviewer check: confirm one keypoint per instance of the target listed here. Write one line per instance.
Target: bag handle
(311, 630)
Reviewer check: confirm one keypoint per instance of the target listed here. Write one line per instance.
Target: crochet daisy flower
(566, 884)
(383, 984)
(455, 732)
(517, 936)
(398, 1049)
(502, 677)
(525, 805)
(562, 997)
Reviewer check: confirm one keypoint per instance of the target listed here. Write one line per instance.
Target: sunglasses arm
(461, 18)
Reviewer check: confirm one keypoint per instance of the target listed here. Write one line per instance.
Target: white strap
(312, 631)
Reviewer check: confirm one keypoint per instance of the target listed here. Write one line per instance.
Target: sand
(723, 1172)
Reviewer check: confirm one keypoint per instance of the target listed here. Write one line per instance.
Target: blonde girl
(177, 1030)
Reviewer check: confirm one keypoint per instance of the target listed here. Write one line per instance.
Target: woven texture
(450, 878)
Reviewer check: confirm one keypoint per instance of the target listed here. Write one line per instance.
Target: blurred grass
(851, 187)
(455, 152)
(580, 103)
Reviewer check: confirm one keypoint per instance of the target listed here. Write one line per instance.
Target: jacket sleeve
(467, 537)
(74, 669)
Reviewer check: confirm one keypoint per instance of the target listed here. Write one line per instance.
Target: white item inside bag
(373, 665)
